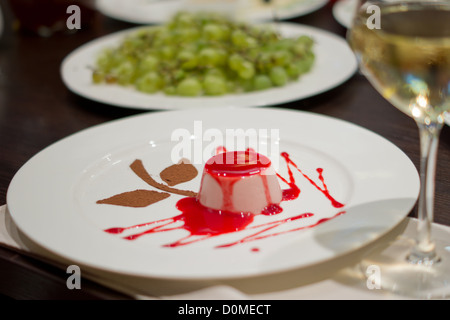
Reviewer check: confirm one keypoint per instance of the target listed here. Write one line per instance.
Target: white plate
(52, 198)
(335, 63)
(343, 11)
(158, 11)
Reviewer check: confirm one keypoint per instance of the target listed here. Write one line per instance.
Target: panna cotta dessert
(239, 181)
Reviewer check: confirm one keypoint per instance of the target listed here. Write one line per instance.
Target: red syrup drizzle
(271, 225)
(203, 223)
(323, 189)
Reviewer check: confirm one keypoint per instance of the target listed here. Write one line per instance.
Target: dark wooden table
(36, 110)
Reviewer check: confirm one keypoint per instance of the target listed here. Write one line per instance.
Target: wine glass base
(388, 268)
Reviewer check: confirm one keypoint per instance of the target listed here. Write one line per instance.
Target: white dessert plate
(335, 63)
(343, 11)
(53, 197)
(159, 11)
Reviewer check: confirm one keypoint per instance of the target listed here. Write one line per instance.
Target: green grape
(268, 36)
(132, 44)
(253, 54)
(306, 64)
(279, 76)
(283, 44)
(189, 87)
(170, 90)
(264, 62)
(167, 52)
(187, 60)
(218, 72)
(251, 42)
(104, 60)
(98, 76)
(238, 38)
(302, 45)
(215, 85)
(211, 57)
(183, 19)
(214, 32)
(187, 34)
(246, 70)
(160, 37)
(221, 57)
(115, 59)
(282, 58)
(148, 63)
(294, 70)
(149, 83)
(179, 75)
(262, 82)
(234, 61)
(307, 41)
(125, 73)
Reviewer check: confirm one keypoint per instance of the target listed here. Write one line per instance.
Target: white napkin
(331, 280)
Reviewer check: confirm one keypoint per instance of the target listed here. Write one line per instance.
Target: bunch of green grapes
(204, 54)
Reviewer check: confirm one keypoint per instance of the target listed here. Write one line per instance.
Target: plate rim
(286, 15)
(20, 224)
(340, 14)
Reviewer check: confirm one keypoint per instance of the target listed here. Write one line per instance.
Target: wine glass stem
(424, 251)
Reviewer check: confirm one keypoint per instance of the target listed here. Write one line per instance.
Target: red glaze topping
(237, 164)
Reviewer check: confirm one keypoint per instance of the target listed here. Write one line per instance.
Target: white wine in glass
(403, 48)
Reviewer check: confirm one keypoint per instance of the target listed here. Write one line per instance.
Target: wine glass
(403, 49)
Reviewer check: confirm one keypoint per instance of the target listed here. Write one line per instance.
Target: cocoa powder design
(175, 174)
